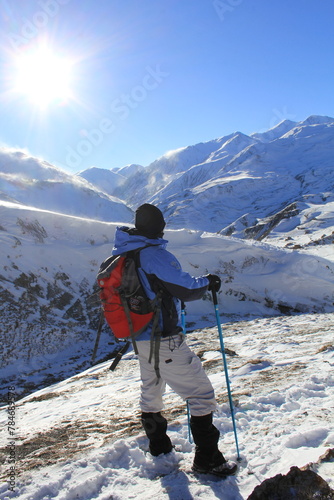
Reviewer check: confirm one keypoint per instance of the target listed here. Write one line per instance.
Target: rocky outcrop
(266, 225)
(296, 485)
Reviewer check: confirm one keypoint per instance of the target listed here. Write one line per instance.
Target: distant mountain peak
(275, 132)
(317, 120)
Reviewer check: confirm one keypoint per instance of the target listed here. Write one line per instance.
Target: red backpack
(127, 309)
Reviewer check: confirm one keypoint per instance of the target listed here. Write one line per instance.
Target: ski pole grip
(214, 297)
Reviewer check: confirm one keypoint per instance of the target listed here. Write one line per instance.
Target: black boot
(155, 426)
(208, 458)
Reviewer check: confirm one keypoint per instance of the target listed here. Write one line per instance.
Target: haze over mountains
(33, 182)
(257, 210)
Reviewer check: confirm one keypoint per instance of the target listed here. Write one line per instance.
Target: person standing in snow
(178, 366)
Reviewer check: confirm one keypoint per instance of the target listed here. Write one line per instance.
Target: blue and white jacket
(159, 269)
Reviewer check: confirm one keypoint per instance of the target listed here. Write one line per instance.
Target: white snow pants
(182, 370)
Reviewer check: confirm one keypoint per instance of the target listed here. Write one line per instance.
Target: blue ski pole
(183, 318)
(183, 323)
(215, 302)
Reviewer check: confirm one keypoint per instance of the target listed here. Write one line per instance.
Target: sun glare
(43, 77)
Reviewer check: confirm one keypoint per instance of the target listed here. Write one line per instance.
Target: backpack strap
(128, 317)
(156, 333)
(118, 356)
(156, 337)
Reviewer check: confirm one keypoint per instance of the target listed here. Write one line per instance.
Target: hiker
(177, 365)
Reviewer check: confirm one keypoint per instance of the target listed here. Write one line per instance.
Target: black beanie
(149, 221)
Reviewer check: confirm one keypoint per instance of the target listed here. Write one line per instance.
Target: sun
(43, 77)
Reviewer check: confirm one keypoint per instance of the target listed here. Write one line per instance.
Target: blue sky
(150, 76)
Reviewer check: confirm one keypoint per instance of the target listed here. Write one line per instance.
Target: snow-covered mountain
(255, 184)
(109, 181)
(33, 182)
(243, 185)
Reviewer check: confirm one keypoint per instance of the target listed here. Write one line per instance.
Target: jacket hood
(126, 239)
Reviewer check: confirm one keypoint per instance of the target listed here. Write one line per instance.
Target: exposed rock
(296, 485)
(328, 456)
(34, 228)
(266, 225)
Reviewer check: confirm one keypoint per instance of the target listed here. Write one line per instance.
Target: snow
(105, 180)
(32, 182)
(283, 389)
(238, 175)
(81, 437)
(275, 132)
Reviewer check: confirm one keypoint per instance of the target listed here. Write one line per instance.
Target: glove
(214, 282)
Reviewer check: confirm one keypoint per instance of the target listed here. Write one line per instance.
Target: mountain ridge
(282, 165)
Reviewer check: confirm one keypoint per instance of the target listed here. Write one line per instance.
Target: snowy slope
(81, 438)
(48, 272)
(49, 263)
(21, 164)
(33, 182)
